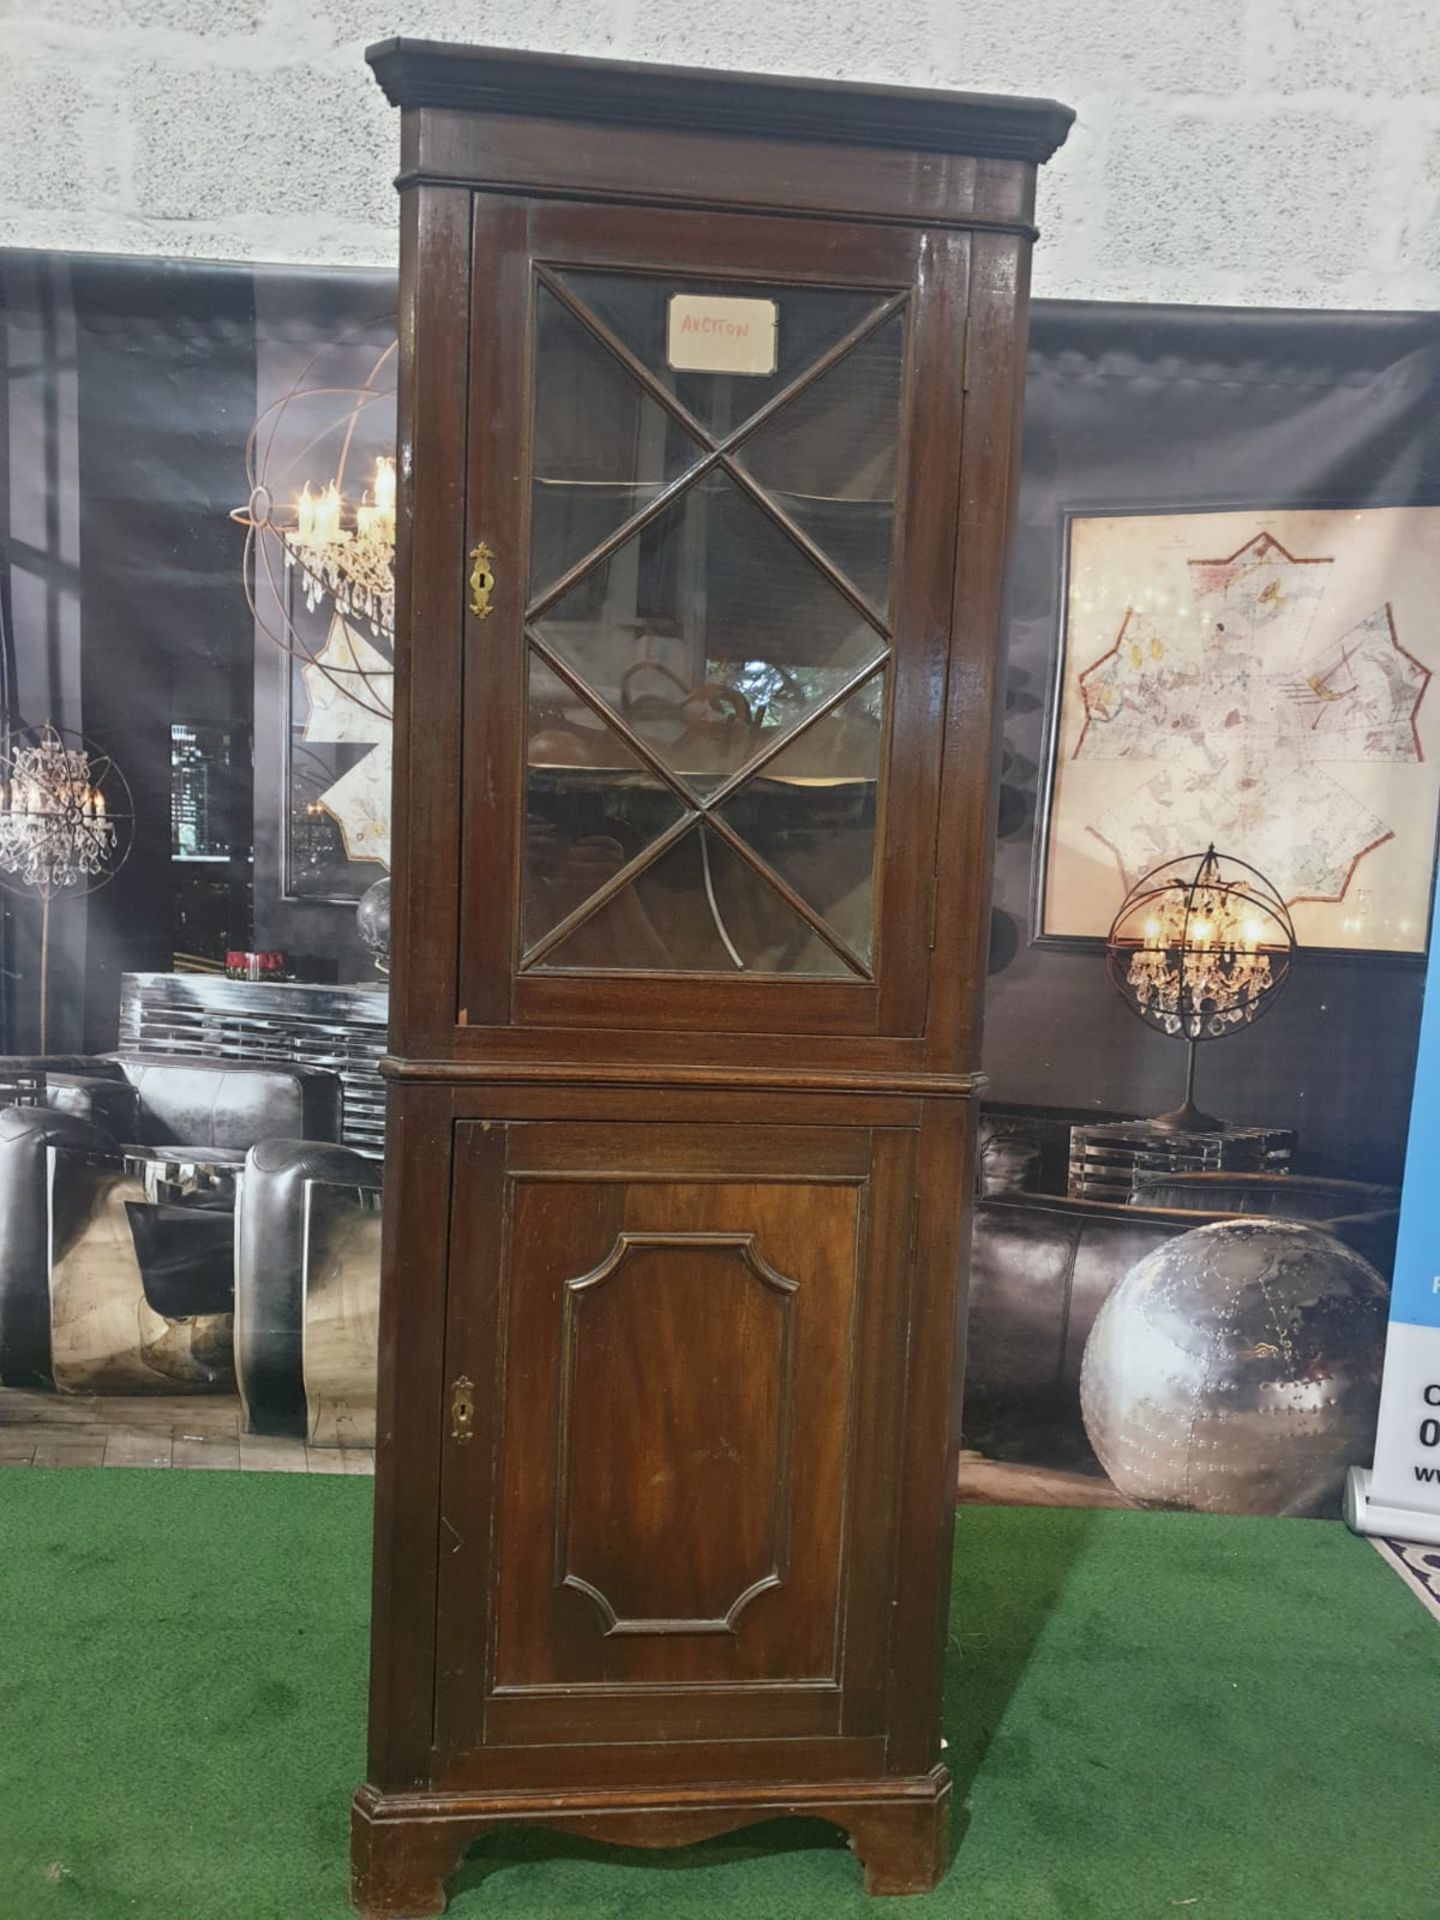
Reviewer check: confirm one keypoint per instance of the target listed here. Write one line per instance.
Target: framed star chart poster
(1255, 680)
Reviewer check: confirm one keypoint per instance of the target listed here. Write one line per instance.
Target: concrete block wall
(1266, 152)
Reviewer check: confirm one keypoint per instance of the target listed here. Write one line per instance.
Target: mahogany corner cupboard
(709, 398)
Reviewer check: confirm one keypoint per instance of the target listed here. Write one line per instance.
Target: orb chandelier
(1201, 946)
(66, 823)
(320, 518)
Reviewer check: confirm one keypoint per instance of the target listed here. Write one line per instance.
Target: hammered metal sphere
(1236, 1369)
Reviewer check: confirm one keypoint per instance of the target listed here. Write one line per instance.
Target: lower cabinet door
(676, 1360)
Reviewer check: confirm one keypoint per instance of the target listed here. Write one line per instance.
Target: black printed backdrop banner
(131, 386)
(124, 386)
(1154, 410)
(129, 390)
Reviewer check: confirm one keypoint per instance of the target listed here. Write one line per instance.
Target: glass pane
(808, 322)
(828, 458)
(602, 447)
(699, 909)
(590, 803)
(710, 633)
(810, 814)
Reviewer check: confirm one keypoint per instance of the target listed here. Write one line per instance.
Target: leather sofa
(1365, 1215)
(73, 1223)
(1041, 1267)
(307, 1291)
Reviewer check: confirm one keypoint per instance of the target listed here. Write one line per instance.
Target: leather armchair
(307, 1289)
(157, 1100)
(26, 1136)
(17, 1070)
(80, 1247)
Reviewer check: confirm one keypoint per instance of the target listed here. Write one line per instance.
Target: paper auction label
(711, 333)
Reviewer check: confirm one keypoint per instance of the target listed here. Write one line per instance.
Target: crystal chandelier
(55, 827)
(1200, 947)
(1202, 969)
(353, 564)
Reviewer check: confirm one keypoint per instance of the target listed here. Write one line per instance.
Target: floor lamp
(66, 824)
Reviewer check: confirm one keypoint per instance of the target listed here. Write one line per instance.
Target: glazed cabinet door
(712, 504)
(676, 1358)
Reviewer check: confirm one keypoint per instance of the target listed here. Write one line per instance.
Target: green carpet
(1149, 1715)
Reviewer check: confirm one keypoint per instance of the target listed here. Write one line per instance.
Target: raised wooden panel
(687, 1389)
(637, 1465)
(661, 1394)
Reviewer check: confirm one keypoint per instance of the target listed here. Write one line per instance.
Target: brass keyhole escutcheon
(462, 1409)
(482, 581)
